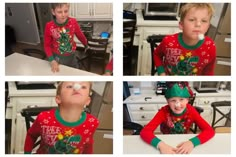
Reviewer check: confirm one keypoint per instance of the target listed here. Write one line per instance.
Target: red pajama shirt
(60, 137)
(171, 123)
(59, 38)
(174, 57)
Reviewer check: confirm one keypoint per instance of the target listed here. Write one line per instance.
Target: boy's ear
(88, 101)
(181, 25)
(58, 99)
(53, 13)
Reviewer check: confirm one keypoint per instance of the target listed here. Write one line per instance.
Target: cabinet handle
(141, 108)
(32, 106)
(143, 117)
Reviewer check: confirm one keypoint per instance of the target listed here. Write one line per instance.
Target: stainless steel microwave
(161, 9)
(206, 86)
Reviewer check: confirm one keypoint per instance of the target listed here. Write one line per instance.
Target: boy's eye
(191, 19)
(69, 86)
(84, 87)
(204, 21)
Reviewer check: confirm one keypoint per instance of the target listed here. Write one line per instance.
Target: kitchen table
(219, 144)
(19, 64)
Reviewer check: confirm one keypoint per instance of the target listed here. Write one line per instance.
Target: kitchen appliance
(161, 87)
(27, 85)
(161, 11)
(209, 86)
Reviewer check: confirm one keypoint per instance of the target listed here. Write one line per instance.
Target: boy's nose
(198, 23)
(177, 104)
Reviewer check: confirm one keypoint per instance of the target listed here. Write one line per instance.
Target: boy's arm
(48, 43)
(80, 35)
(209, 69)
(158, 58)
(31, 136)
(207, 131)
(89, 146)
(147, 133)
(109, 66)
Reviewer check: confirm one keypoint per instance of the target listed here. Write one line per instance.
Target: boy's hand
(185, 147)
(54, 66)
(166, 149)
(107, 74)
(162, 74)
(86, 48)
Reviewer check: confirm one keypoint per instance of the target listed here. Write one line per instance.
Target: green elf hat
(177, 90)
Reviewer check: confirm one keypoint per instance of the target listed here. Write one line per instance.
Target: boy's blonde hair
(55, 5)
(188, 6)
(59, 86)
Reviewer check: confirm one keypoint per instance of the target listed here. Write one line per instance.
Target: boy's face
(61, 13)
(177, 104)
(72, 95)
(196, 21)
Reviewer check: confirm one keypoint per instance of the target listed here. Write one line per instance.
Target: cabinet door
(81, 10)
(102, 10)
(21, 134)
(145, 67)
(207, 113)
(103, 142)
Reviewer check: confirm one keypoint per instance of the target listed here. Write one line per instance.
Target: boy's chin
(178, 111)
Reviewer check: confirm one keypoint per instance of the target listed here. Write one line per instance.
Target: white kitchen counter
(219, 144)
(19, 64)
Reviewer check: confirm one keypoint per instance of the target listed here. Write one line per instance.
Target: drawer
(222, 68)
(143, 116)
(142, 107)
(206, 101)
(32, 102)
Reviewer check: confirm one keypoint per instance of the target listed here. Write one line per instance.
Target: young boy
(59, 34)
(67, 129)
(177, 118)
(189, 52)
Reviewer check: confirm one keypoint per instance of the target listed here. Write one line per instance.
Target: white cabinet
(91, 11)
(141, 111)
(146, 28)
(20, 99)
(204, 101)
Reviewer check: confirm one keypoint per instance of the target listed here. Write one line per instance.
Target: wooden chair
(220, 116)
(97, 51)
(128, 38)
(154, 40)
